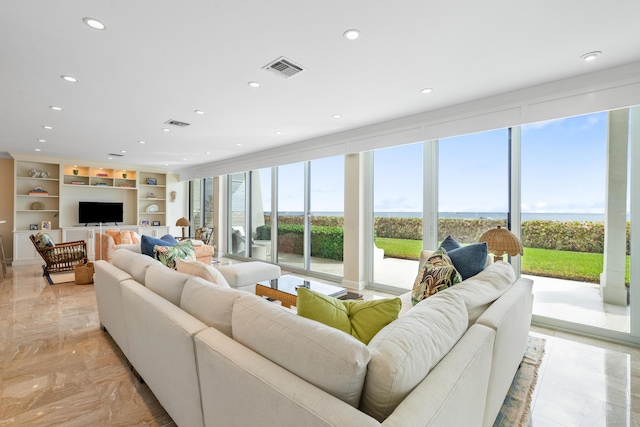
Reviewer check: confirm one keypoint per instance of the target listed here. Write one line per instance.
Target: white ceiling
(160, 60)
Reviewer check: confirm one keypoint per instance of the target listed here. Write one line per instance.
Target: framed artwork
(144, 223)
(151, 181)
(156, 223)
(33, 226)
(46, 225)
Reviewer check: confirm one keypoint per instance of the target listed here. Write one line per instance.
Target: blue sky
(563, 170)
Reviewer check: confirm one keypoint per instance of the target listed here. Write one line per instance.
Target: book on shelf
(77, 182)
(38, 193)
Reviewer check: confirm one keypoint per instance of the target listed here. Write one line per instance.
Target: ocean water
(554, 216)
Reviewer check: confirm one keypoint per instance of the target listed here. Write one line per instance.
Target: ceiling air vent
(115, 154)
(176, 123)
(283, 67)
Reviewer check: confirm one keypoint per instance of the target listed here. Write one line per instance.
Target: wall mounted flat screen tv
(100, 212)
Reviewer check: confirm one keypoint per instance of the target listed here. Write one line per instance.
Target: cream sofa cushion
(133, 263)
(200, 269)
(323, 356)
(211, 304)
(479, 291)
(166, 282)
(403, 352)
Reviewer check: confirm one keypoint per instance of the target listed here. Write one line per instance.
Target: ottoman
(245, 275)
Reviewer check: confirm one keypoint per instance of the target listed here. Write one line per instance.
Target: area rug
(516, 409)
(57, 278)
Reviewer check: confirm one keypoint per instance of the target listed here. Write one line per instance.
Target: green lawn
(539, 262)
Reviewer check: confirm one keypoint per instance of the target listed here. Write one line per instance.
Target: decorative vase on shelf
(75, 171)
(124, 175)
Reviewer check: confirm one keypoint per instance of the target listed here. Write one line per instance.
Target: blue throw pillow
(169, 238)
(469, 260)
(147, 243)
(449, 244)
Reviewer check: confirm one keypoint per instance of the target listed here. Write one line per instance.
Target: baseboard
(353, 284)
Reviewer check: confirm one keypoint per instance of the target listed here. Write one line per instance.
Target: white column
(355, 247)
(634, 179)
(612, 287)
(430, 200)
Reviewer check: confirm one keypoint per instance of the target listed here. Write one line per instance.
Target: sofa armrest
(240, 387)
(510, 317)
(462, 376)
(162, 351)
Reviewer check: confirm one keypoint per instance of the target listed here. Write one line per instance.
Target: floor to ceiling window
(195, 202)
(237, 233)
(291, 215)
(326, 198)
(397, 211)
(473, 194)
(261, 214)
(201, 203)
(565, 197)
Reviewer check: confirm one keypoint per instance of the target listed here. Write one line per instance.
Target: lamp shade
(502, 241)
(182, 222)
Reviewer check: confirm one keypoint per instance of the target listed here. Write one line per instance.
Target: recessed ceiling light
(426, 90)
(238, 144)
(184, 160)
(109, 158)
(42, 140)
(166, 130)
(94, 23)
(352, 34)
(69, 79)
(47, 127)
(123, 151)
(208, 152)
(336, 116)
(141, 142)
(278, 132)
(166, 164)
(591, 55)
(199, 112)
(37, 149)
(53, 107)
(254, 84)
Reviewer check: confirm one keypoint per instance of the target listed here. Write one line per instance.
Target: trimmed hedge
(574, 236)
(326, 242)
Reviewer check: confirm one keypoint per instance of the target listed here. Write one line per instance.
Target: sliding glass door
(575, 218)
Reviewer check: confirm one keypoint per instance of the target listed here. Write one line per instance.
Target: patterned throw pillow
(168, 254)
(43, 240)
(202, 233)
(436, 274)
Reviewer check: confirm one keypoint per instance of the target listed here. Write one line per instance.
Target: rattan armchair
(61, 257)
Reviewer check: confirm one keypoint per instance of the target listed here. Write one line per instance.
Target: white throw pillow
(328, 358)
(200, 269)
(481, 290)
(404, 351)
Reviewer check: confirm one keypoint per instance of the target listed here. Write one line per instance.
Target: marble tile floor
(59, 368)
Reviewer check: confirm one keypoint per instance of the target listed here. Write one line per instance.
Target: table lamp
(182, 222)
(502, 241)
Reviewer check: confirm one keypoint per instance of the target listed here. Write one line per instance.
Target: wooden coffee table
(285, 289)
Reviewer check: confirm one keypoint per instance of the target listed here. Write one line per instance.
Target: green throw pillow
(436, 274)
(168, 254)
(361, 319)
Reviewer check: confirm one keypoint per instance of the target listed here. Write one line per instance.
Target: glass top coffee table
(285, 289)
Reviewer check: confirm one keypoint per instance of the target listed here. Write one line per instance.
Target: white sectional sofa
(216, 356)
